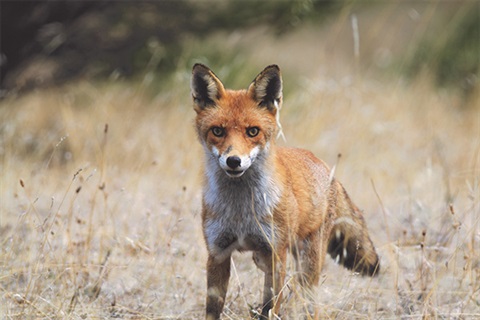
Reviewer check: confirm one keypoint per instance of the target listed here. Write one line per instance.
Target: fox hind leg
(310, 260)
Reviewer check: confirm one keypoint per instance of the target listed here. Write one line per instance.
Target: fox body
(267, 199)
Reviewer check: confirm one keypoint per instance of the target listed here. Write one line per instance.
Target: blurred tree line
(49, 42)
(455, 57)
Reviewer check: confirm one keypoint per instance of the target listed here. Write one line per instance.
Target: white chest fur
(242, 210)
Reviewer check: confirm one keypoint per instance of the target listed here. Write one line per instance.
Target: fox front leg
(218, 274)
(274, 269)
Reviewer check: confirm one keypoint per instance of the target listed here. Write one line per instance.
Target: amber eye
(253, 131)
(218, 131)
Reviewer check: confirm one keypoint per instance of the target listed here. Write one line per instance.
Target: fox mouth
(235, 173)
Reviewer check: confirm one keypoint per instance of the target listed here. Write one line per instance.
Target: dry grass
(100, 198)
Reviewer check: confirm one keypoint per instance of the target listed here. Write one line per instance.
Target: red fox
(265, 198)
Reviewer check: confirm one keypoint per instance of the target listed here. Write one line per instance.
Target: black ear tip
(200, 66)
(272, 68)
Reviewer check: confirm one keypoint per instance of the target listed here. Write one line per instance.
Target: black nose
(234, 162)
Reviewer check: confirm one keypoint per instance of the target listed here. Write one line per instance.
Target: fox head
(236, 127)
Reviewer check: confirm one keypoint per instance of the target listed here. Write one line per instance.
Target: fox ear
(206, 87)
(266, 89)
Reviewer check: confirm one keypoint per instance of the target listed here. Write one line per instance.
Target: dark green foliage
(454, 57)
(122, 38)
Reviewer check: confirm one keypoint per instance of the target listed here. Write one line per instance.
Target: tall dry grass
(100, 196)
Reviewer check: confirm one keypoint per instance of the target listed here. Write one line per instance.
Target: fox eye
(218, 131)
(253, 132)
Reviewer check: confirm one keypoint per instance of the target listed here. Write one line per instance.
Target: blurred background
(100, 170)
(49, 42)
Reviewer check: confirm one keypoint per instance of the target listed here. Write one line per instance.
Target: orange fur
(267, 199)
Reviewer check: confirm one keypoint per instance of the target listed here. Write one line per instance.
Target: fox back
(267, 199)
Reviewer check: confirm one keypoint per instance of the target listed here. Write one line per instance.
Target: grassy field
(100, 180)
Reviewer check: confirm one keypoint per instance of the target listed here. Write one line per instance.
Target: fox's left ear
(266, 89)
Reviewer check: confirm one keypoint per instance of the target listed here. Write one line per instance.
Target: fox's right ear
(206, 87)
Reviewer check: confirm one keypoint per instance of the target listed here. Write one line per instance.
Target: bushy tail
(349, 242)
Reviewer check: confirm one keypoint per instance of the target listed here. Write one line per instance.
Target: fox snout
(234, 162)
(235, 165)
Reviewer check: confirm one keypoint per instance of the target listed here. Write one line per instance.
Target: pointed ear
(266, 89)
(206, 87)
